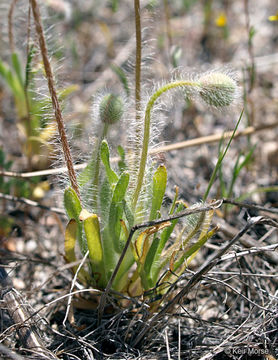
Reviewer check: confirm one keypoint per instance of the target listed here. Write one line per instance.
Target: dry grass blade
(32, 203)
(167, 345)
(69, 306)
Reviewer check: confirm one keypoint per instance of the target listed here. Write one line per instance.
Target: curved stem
(147, 123)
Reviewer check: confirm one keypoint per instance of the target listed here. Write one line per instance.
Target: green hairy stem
(147, 125)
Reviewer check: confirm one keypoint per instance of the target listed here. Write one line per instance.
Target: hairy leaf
(105, 157)
(159, 187)
(72, 204)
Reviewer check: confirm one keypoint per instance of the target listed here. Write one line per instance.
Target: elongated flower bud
(111, 109)
(217, 89)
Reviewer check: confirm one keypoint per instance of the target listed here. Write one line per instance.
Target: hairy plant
(105, 204)
(117, 198)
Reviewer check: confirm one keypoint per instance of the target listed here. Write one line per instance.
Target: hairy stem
(97, 165)
(54, 97)
(138, 72)
(146, 139)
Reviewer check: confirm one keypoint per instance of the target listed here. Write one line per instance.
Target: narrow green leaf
(149, 263)
(180, 265)
(110, 256)
(105, 199)
(220, 159)
(128, 213)
(17, 68)
(121, 163)
(220, 171)
(246, 160)
(10, 79)
(120, 188)
(105, 157)
(114, 5)
(152, 264)
(71, 235)
(73, 209)
(28, 67)
(93, 237)
(171, 212)
(252, 33)
(194, 248)
(159, 187)
(142, 250)
(3, 70)
(72, 204)
(70, 240)
(116, 210)
(12, 82)
(2, 158)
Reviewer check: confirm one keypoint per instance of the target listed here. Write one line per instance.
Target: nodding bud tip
(111, 109)
(217, 89)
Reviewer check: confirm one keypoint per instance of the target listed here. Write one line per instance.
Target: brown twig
(32, 203)
(54, 97)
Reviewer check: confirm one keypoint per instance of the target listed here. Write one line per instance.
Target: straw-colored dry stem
(54, 98)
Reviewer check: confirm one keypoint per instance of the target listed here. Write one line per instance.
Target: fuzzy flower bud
(111, 109)
(217, 89)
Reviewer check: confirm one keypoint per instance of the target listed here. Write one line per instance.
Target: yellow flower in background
(221, 20)
(40, 190)
(273, 17)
